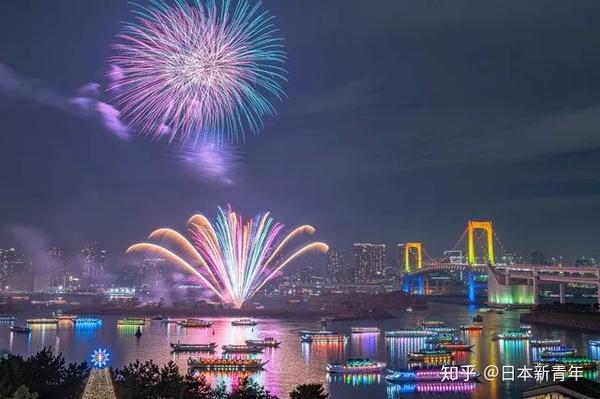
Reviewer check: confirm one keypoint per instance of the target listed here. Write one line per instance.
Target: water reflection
(399, 390)
(354, 379)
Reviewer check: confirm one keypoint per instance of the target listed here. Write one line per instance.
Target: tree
(309, 391)
(247, 388)
(23, 393)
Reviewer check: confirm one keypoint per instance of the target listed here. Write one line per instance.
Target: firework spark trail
(200, 68)
(239, 258)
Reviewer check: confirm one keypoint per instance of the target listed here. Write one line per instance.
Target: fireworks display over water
(198, 69)
(232, 258)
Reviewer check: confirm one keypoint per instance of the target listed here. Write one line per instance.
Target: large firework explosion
(198, 68)
(233, 259)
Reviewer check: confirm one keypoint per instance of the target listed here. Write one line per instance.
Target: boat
(408, 333)
(472, 327)
(195, 323)
(409, 309)
(365, 330)
(435, 356)
(20, 329)
(354, 366)
(138, 333)
(87, 320)
(441, 330)
(264, 343)
(315, 332)
(179, 347)
(49, 320)
(242, 349)
(525, 327)
(583, 363)
(594, 342)
(477, 318)
(512, 335)
(66, 317)
(562, 351)
(244, 322)
(544, 342)
(433, 374)
(458, 346)
(158, 318)
(441, 339)
(131, 321)
(7, 318)
(168, 320)
(330, 338)
(430, 323)
(204, 363)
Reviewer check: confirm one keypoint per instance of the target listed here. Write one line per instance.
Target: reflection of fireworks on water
(198, 67)
(232, 258)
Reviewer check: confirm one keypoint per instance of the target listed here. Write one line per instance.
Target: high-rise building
(12, 264)
(56, 265)
(336, 266)
(152, 273)
(306, 273)
(94, 260)
(536, 258)
(369, 262)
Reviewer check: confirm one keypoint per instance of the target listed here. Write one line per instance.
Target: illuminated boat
(441, 339)
(20, 329)
(353, 366)
(158, 318)
(242, 349)
(434, 356)
(179, 347)
(330, 338)
(410, 333)
(315, 332)
(434, 374)
(244, 322)
(525, 327)
(66, 317)
(7, 318)
(87, 320)
(472, 327)
(441, 330)
(458, 346)
(42, 321)
(594, 342)
(195, 323)
(168, 320)
(131, 321)
(211, 364)
(264, 343)
(430, 323)
(562, 351)
(583, 363)
(512, 335)
(545, 342)
(365, 330)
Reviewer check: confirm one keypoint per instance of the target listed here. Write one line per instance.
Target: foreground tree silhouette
(309, 391)
(247, 388)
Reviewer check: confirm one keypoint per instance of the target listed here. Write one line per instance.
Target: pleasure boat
(180, 347)
(131, 321)
(512, 335)
(457, 346)
(408, 333)
(430, 323)
(434, 374)
(42, 321)
(472, 327)
(356, 366)
(544, 342)
(221, 364)
(583, 363)
(242, 349)
(6, 318)
(264, 343)
(244, 322)
(562, 351)
(330, 338)
(195, 323)
(365, 330)
(315, 332)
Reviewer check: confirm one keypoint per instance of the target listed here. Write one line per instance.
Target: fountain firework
(233, 259)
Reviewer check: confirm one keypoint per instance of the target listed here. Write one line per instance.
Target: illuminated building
(13, 266)
(369, 262)
(94, 260)
(536, 258)
(336, 266)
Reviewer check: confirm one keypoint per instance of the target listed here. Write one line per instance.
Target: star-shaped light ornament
(100, 358)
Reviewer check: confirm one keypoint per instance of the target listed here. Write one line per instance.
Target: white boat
(409, 309)
(414, 332)
(303, 333)
(330, 338)
(365, 330)
(434, 374)
(265, 343)
(356, 366)
(242, 348)
(195, 323)
(545, 342)
(244, 322)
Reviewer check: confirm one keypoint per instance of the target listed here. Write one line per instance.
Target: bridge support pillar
(536, 290)
(561, 292)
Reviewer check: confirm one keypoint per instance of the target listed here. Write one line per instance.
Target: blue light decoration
(100, 358)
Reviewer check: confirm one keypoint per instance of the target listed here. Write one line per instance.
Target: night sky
(403, 120)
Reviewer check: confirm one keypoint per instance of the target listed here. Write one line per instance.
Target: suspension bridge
(508, 283)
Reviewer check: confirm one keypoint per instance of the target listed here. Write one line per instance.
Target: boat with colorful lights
(410, 333)
(242, 349)
(315, 332)
(7, 318)
(180, 347)
(365, 330)
(195, 323)
(471, 327)
(87, 320)
(20, 329)
(431, 356)
(457, 346)
(512, 335)
(131, 321)
(42, 321)
(441, 339)
(221, 364)
(433, 374)
(584, 363)
(525, 327)
(264, 343)
(430, 323)
(354, 366)
(441, 330)
(244, 322)
(330, 338)
(562, 351)
(545, 342)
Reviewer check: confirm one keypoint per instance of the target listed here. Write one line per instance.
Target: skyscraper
(94, 260)
(56, 264)
(369, 262)
(536, 258)
(12, 264)
(336, 266)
